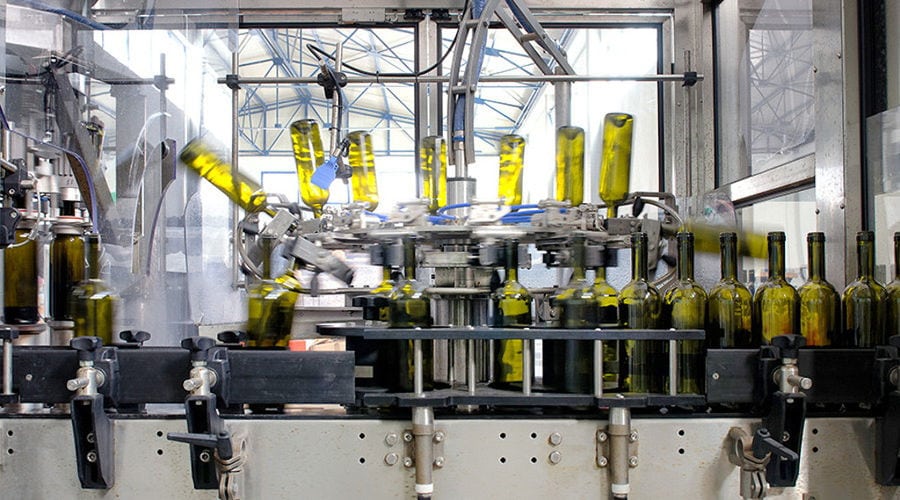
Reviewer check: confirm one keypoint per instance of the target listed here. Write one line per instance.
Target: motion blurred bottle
(640, 308)
(409, 308)
(570, 165)
(433, 155)
(512, 158)
(819, 302)
(776, 305)
(361, 158)
(607, 317)
(20, 277)
(239, 188)
(892, 295)
(66, 267)
(384, 290)
(615, 160)
(569, 364)
(309, 155)
(684, 308)
(511, 309)
(270, 306)
(93, 303)
(862, 300)
(730, 304)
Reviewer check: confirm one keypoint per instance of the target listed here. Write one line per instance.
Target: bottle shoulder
(864, 288)
(685, 290)
(639, 289)
(775, 289)
(816, 287)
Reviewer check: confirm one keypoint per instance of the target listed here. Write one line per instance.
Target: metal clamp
(617, 450)
(787, 411)
(91, 426)
(752, 455)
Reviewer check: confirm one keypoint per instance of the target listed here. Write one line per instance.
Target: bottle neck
(578, 260)
(639, 269)
(816, 255)
(93, 260)
(600, 274)
(512, 262)
(865, 252)
(776, 259)
(897, 259)
(409, 260)
(266, 259)
(685, 260)
(385, 274)
(729, 260)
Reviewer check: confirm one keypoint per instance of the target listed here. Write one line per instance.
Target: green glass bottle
(93, 303)
(570, 165)
(684, 308)
(511, 309)
(384, 290)
(569, 364)
(729, 306)
(409, 307)
(607, 299)
(433, 155)
(615, 160)
(776, 305)
(640, 308)
(361, 158)
(862, 300)
(239, 188)
(66, 266)
(892, 295)
(308, 156)
(270, 306)
(20, 278)
(512, 157)
(819, 302)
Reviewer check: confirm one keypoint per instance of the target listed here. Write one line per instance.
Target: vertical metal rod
(470, 365)
(619, 431)
(235, 156)
(5, 137)
(418, 375)
(688, 132)
(673, 367)
(7, 366)
(562, 93)
(527, 366)
(423, 433)
(598, 368)
(335, 108)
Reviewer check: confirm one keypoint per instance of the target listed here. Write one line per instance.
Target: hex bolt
(785, 436)
(633, 436)
(555, 438)
(439, 462)
(407, 462)
(408, 437)
(391, 458)
(602, 436)
(91, 456)
(715, 376)
(555, 457)
(391, 439)
(602, 462)
(205, 456)
(438, 436)
(632, 461)
(90, 438)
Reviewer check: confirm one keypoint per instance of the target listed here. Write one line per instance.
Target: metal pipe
(598, 368)
(418, 372)
(335, 107)
(470, 365)
(563, 98)
(7, 367)
(673, 367)
(527, 367)
(235, 156)
(619, 431)
(483, 79)
(423, 433)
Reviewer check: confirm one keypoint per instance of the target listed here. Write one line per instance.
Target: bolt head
(633, 461)
(438, 437)
(391, 439)
(407, 462)
(715, 376)
(91, 456)
(633, 436)
(555, 438)
(90, 438)
(408, 437)
(391, 459)
(602, 437)
(602, 462)
(439, 462)
(205, 456)
(555, 457)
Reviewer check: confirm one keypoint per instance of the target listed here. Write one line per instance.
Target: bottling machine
(464, 359)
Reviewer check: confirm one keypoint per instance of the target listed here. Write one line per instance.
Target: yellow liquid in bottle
(362, 162)
(434, 172)
(308, 154)
(615, 160)
(512, 156)
(239, 188)
(570, 165)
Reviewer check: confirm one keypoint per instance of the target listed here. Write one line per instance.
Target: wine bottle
(684, 308)
(361, 158)
(862, 300)
(819, 302)
(308, 156)
(512, 156)
(511, 309)
(569, 364)
(270, 306)
(729, 317)
(570, 165)
(607, 299)
(384, 290)
(66, 266)
(239, 188)
(433, 157)
(93, 303)
(20, 278)
(892, 295)
(776, 305)
(640, 307)
(615, 160)
(409, 307)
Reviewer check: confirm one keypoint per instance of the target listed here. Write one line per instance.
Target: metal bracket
(887, 428)
(409, 448)
(602, 447)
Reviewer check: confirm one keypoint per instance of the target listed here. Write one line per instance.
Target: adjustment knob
(789, 345)
(134, 337)
(198, 347)
(86, 347)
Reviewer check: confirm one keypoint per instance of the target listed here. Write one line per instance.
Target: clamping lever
(220, 442)
(764, 445)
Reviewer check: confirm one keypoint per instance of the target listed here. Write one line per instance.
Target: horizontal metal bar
(493, 397)
(483, 79)
(350, 330)
(773, 182)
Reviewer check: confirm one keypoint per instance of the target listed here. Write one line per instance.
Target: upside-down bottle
(308, 156)
(239, 188)
(512, 157)
(361, 158)
(570, 165)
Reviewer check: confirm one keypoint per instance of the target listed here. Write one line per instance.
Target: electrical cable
(78, 18)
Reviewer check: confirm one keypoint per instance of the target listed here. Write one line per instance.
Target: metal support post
(620, 461)
(527, 366)
(598, 368)
(423, 433)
